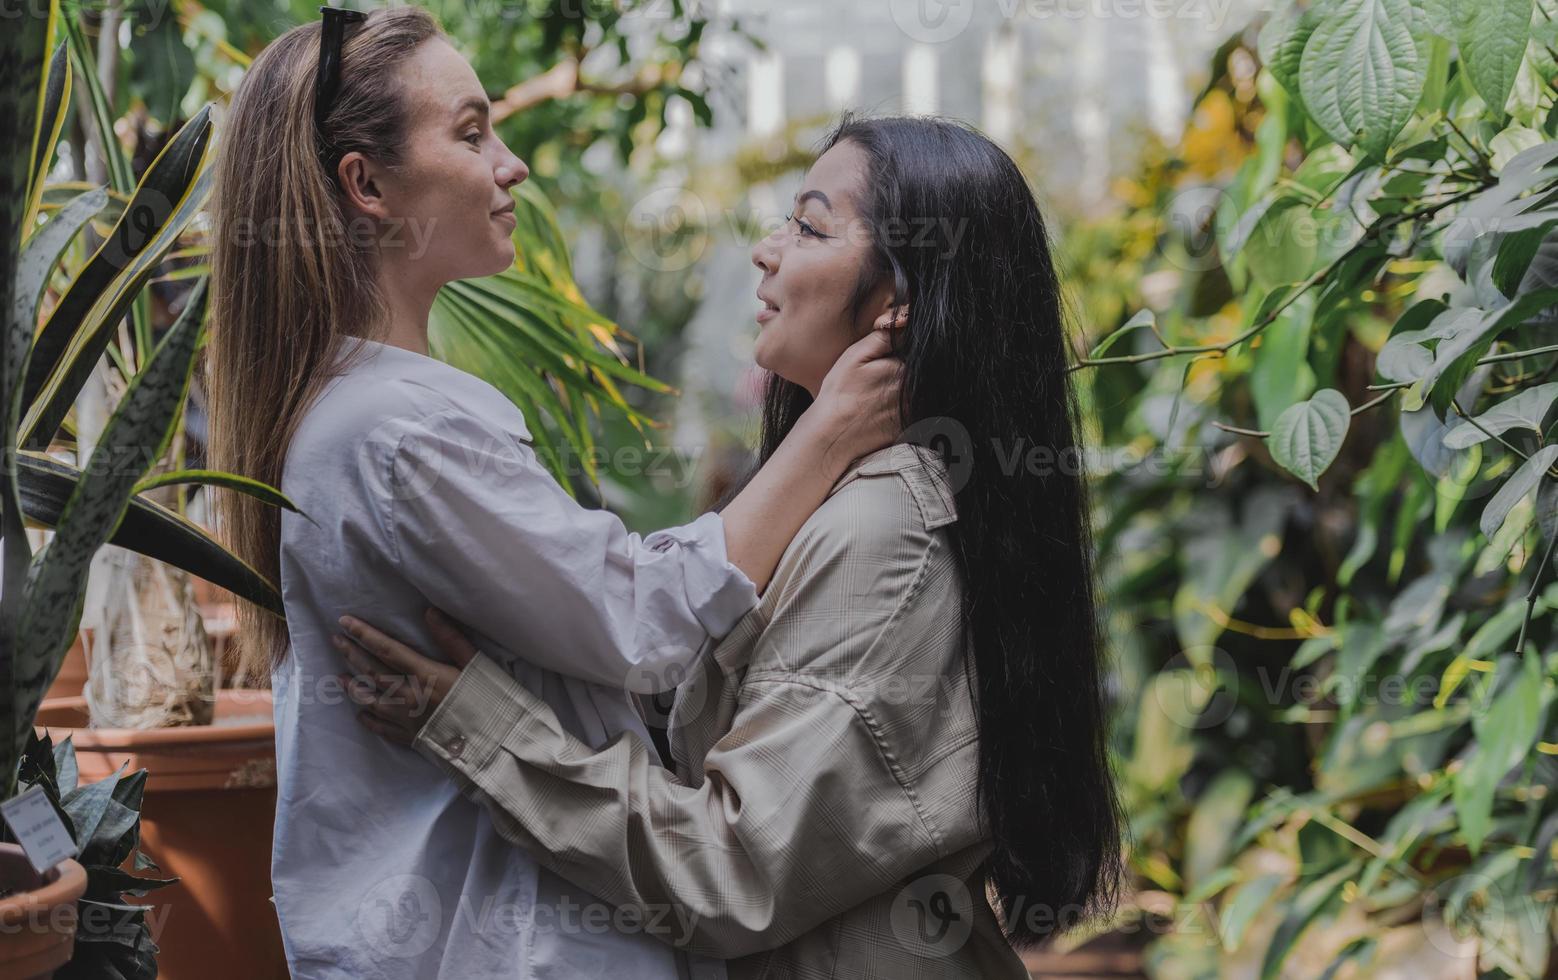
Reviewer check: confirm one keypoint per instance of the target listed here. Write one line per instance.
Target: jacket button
(455, 746)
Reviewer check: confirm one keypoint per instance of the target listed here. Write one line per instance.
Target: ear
(878, 304)
(362, 181)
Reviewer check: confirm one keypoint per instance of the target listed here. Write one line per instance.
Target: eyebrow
(478, 105)
(815, 194)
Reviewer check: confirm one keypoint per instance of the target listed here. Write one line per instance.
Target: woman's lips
(769, 310)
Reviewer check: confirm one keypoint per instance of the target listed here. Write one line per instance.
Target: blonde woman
(358, 174)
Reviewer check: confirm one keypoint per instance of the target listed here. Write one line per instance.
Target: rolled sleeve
(719, 593)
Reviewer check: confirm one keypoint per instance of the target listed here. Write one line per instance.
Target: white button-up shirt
(421, 488)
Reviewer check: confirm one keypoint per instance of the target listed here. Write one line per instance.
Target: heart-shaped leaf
(1307, 437)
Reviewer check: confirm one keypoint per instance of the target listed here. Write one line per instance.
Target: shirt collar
(921, 467)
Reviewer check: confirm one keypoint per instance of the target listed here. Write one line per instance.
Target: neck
(408, 303)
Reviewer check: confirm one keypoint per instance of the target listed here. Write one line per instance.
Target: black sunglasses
(327, 79)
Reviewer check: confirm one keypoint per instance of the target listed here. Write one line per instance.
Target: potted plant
(99, 499)
(105, 933)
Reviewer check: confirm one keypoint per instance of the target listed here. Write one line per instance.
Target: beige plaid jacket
(820, 818)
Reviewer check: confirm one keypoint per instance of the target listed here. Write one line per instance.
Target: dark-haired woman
(895, 766)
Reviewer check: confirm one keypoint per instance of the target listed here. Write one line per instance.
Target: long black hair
(956, 228)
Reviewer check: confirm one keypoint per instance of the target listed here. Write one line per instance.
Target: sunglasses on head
(327, 78)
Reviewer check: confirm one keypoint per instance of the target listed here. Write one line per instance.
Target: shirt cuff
(719, 593)
(482, 709)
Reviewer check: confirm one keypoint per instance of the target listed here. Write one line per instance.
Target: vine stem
(1383, 224)
(1547, 557)
(1264, 434)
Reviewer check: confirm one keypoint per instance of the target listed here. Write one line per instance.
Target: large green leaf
(148, 528)
(1522, 482)
(131, 441)
(1505, 730)
(56, 102)
(82, 325)
(1307, 437)
(1525, 410)
(1282, 40)
(43, 251)
(1314, 898)
(23, 46)
(1360, 75)
(1492, 36)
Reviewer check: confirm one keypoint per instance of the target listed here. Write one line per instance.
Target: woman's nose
(511, 171)
(765, 254)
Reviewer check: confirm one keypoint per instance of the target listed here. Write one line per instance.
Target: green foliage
(113, 940)
(1339, 571)
(45, 368)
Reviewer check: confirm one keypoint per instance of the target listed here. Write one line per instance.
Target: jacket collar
(921, 467)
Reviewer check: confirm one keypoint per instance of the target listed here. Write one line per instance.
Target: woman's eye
(473, 138)
(806, 229)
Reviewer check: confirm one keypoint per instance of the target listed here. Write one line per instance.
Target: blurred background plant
(1320, 330)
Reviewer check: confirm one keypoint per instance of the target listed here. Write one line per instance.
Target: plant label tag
(38, 829)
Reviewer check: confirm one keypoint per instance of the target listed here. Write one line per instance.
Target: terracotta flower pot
(207, 818)
(73, 674)
(37, 919)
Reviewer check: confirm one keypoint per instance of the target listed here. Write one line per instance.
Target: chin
(502, 260)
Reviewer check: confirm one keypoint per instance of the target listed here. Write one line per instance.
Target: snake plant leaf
(216, 478)
(120, 175)
(22, 50)
(148, 529)
(80, 328)
(56, 101)
(132, 440)
(43, 250)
